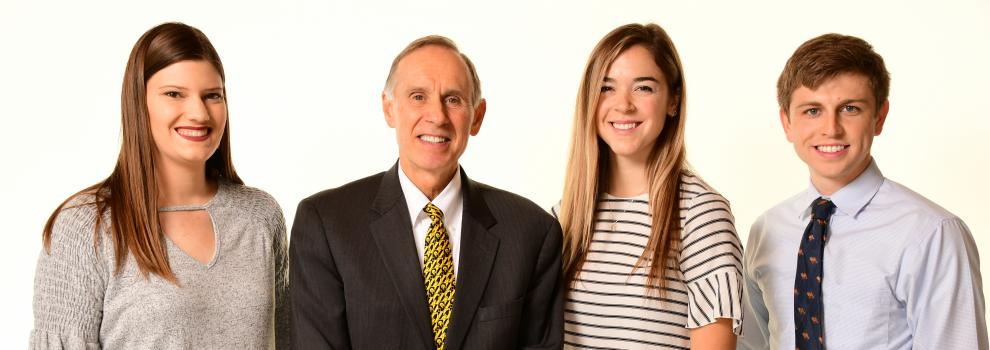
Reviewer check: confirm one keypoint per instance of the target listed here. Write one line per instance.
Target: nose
(832, 125)
(435, 113)
(623, 103)
(196, 110)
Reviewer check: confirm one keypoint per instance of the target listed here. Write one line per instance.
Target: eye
(214, 96)
(418, 97)
(850, 109)
(812, 112)
(606, 88)
(645, 88)
(452, 100)
(172, 94)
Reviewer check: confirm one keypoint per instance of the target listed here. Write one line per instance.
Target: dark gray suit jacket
(356, 282)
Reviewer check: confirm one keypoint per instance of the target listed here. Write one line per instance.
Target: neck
(627, 176)
(828, 186)
(183, 185)
(429, 183)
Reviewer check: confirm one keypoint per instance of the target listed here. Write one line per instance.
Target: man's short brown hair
(827, 56)
(434, 40)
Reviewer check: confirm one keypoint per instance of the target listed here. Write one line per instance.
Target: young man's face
(832, 128)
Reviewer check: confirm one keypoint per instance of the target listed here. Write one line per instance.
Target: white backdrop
(304, 78)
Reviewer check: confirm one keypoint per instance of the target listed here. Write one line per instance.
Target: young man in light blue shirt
(856, 261)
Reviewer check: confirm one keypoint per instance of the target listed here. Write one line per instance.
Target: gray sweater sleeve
(69, 284)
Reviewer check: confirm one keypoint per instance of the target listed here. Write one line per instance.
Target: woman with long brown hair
(631, 202)
(171, 250)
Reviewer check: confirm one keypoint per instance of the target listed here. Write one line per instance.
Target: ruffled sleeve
(69, 285)
(711, 262)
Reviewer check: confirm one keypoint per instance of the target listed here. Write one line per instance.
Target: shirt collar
(449, 199)
(852, 198)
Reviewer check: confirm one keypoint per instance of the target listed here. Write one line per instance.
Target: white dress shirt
(451, 203)
(900, 272)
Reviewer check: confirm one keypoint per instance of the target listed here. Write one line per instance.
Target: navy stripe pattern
(610, 307)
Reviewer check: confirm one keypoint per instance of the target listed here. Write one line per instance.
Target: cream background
(304, 79)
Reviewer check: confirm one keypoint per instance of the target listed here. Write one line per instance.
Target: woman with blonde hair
(630, 201)
(171, 251)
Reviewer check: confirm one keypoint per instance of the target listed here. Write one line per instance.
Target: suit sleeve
(941, 286)
(317, 293)
(543, 313)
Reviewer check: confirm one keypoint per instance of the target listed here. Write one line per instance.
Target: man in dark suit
(420, 256)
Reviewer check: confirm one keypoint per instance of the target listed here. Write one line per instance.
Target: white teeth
(192, 132)
(830, 149)
(624, 126)
(432, 139)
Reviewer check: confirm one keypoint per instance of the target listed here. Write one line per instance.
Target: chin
(623, 151)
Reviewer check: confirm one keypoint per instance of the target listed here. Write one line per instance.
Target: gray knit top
(239, 300)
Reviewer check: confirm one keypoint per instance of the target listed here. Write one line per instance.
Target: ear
(672, 106)
(785, 123)
(387, 111)
(479, 116)
(881, 118)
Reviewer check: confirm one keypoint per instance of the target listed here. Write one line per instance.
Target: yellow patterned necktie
(438, 272)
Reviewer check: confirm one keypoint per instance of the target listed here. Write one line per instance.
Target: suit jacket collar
(392, 232)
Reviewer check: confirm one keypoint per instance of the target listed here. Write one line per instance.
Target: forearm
(714, 336)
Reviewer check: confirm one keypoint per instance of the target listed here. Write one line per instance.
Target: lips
(624, 125)
(196, 134)
(831, 148)
(433, 139)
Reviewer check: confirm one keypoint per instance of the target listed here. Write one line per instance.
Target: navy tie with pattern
(808, 306)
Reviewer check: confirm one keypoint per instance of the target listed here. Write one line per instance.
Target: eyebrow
(855, 100)
(841, 103)
(636, 80)
(454, 92)
(448, 92)
(184, 88)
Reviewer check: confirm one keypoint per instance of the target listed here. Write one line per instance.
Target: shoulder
(783, 214)
(516, 218)
(555, 210)
(693, 186)
(893, 194)
(503, 203)
(928, 220)
(359, 191)
(698, 197)
(73, 230)
(790, 207)
(79, 213)
(249, 200)
(705, 212)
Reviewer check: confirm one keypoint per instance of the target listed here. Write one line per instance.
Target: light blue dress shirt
(900, 272)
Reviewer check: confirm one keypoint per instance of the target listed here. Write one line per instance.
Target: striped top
(608, 306)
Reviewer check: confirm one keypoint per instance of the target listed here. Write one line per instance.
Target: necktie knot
(822, 208)
(433, 211)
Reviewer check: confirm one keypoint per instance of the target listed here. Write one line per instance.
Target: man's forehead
(433, 62)
(846, 86)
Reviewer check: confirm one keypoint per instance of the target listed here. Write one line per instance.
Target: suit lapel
(477, 256)
(392, 232)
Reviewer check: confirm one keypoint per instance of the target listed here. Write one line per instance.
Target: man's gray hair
(436, 40)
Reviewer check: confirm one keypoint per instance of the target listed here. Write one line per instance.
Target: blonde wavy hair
(587, 168)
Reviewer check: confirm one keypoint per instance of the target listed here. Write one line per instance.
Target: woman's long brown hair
(130, 193)
(587, 167)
